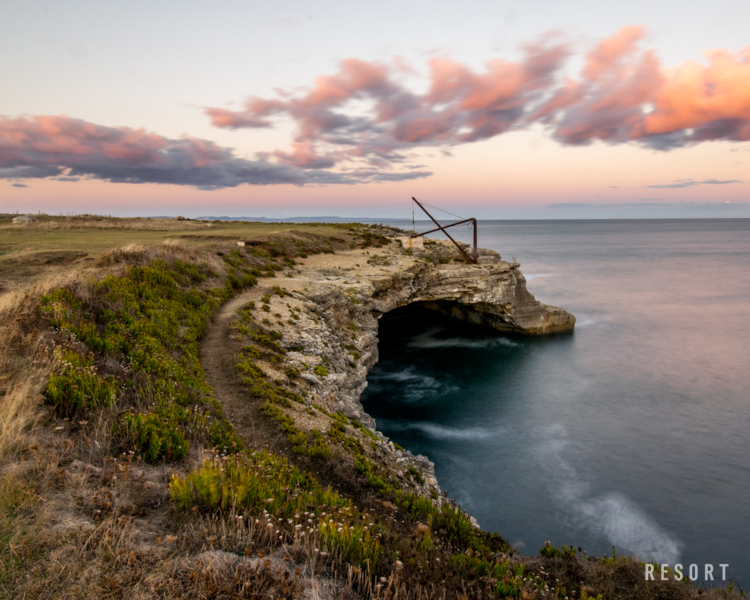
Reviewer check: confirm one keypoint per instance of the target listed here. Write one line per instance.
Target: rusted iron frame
(474, 252)
(438, 228)
(472, 258)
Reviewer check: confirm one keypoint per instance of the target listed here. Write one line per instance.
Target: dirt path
(219, 351)
(218, 354)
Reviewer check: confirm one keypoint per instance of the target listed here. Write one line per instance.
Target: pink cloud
(623, 94)
(695, 95)
(54, 146)
(605, 57)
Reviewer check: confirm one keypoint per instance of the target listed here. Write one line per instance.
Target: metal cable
(441, 210)
(468, 225)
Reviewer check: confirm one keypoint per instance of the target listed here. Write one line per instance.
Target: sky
(493, 109)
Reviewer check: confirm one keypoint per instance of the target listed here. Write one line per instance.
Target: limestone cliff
(488, 294)
(328, 315)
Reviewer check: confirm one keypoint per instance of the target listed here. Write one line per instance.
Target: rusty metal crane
(472, 258)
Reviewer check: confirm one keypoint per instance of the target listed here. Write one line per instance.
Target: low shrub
(549, 551)
(76, 386)
(252, 481)
(154, 437)
(353, 544)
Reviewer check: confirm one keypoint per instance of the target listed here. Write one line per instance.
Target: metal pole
(475, 252)
(469, 258)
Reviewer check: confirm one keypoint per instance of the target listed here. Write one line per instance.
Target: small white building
(23, 219)
(411, 243)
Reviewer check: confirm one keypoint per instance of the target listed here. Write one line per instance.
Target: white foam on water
(408, 375)
(537, 275)
(440, 432)
(415, 393)
(451, 433)
(585, 320)
(427, 341)
(627, 526)
(611, 515)
(415, 386)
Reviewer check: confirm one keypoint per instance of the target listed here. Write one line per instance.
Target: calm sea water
(633, 432)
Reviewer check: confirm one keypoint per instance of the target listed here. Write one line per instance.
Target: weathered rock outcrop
(329, 320)
(487, 294)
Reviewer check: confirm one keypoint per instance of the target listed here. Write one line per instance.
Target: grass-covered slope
(122, 476)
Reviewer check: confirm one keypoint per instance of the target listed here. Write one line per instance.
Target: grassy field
(31, 252)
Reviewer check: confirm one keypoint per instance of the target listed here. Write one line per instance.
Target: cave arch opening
(428, 353)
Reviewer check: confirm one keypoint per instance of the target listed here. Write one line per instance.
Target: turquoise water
(633, 431)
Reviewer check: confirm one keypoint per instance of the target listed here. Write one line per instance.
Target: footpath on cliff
(312, 332)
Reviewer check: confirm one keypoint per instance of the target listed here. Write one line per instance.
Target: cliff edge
(324, 313)
(346, 293)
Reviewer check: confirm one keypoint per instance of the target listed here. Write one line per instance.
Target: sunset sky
(495, 109)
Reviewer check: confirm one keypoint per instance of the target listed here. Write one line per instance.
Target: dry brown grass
(24, 368)
(19, 414)
(111, 261)
(18, 302)
(69, 530)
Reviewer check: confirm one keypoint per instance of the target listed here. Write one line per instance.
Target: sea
(631, 434)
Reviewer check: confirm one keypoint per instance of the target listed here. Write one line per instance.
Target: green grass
(261, 482)
(254, 481)
(76, 386)
(149, 321)
(156, 436)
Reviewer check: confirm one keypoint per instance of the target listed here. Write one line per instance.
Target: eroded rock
(328, 318)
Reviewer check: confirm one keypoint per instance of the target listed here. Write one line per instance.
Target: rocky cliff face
(329, 318)
(492, 294)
